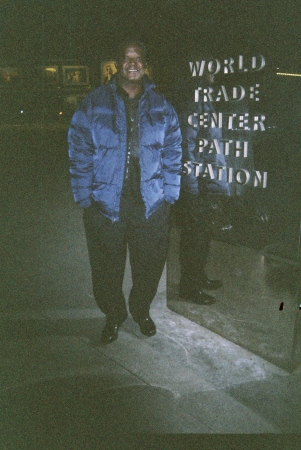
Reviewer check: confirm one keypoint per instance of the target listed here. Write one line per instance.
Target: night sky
(174, 30)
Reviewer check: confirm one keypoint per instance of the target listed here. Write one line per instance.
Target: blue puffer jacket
(98, 143)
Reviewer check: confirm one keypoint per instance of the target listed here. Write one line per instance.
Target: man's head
(131, 61)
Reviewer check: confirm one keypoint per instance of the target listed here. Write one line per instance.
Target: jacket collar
(147, 83)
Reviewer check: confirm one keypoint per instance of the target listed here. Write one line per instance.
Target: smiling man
(131, 69)
(125, 154)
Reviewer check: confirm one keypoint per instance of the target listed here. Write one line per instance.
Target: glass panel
(238, 218)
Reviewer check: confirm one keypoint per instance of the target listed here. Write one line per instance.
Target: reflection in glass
(249, 236)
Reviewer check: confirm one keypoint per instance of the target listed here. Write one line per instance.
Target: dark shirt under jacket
(131, 202)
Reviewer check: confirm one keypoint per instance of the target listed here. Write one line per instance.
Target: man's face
(132, 66)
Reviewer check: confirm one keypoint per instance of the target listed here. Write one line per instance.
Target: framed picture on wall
(75, 75)
(108, 68)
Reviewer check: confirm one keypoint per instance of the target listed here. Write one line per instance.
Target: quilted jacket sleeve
(81, 150)
(172, 157)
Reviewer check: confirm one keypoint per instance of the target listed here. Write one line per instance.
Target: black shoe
(147, 326)
(206, 283)
(199, 297)
(110, 332)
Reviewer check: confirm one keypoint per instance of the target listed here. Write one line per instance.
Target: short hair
(131, 43)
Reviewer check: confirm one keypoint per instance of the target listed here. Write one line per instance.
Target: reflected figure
(203, 197)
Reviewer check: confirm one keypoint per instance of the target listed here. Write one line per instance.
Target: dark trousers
(196, 236)
(107, 246)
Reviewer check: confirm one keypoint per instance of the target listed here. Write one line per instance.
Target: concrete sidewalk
(62, 389)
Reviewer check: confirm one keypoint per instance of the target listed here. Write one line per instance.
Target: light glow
(289, 74)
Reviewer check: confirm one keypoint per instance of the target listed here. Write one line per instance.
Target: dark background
(39, 31)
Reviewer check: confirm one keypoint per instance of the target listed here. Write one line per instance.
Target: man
(125, 153)
(202, 195)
